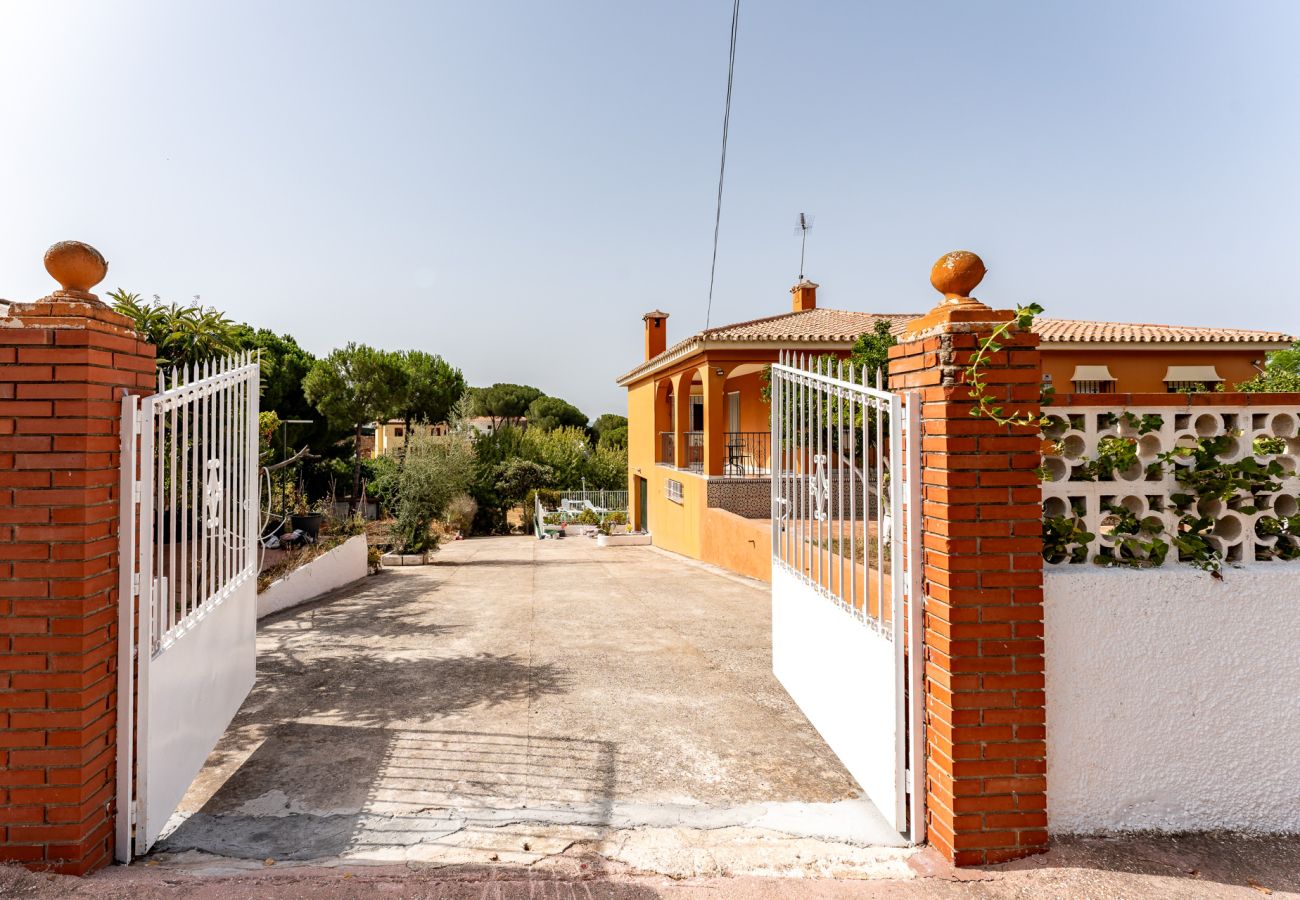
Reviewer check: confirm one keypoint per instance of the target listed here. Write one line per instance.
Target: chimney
(805, 295)
(656, 333)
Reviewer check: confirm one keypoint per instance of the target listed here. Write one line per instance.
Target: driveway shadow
(374, 689)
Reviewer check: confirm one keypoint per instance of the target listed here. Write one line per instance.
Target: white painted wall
(1173, 699)
(342, 565)
(842, 676)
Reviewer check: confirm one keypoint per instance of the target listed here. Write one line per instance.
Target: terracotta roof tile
(838, 326)
(1074, 330)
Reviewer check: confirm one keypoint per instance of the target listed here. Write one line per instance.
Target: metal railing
(609, 501)
(748, 454)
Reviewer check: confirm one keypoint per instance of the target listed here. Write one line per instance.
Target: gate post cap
(77, 267)
(956, 274)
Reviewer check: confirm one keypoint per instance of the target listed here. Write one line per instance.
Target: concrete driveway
(523, 702)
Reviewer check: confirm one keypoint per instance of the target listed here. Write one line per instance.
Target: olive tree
(436, 471)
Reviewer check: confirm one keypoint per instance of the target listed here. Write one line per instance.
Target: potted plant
(303, 517)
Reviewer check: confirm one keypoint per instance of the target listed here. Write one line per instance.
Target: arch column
(681, 416)
(714, 378)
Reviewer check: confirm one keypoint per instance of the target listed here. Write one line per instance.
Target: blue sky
(512, 184)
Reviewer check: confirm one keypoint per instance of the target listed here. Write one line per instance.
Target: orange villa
(698, 428)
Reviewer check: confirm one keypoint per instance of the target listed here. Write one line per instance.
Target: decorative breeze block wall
(1108, 471)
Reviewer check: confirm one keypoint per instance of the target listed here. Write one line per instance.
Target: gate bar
(128, 431)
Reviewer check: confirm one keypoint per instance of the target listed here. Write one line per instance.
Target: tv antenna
(801, 225)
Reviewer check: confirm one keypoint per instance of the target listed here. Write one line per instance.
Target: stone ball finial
(956, 274)
(77, 267)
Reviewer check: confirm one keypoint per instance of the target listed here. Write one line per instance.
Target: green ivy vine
(1198, 469)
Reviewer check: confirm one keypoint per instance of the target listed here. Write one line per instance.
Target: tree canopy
(503, 402)
(610, 430)
(549, 413)
(430, 388)
(353, 386)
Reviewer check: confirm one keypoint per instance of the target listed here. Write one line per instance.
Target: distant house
(698, 429)
(391, 435)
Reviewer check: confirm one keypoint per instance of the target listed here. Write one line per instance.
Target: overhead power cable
(722, 168)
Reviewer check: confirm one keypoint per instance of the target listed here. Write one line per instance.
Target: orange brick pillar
(64, 362)
(986, 785)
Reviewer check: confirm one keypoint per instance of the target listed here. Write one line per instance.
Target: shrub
(437, 469)
(460, 513)
(382, 476)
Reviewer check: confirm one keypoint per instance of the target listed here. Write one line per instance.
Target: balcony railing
(746, 454)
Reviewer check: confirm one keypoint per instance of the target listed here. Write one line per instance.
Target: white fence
(1153, 485)
(189, 554)
(608, 500)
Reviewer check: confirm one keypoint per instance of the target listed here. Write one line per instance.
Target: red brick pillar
(986, 785)
(64, 362)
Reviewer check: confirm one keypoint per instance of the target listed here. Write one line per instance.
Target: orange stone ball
(76, 266)
(956, 274)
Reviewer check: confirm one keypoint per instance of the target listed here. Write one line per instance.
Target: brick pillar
(986, 785)
(64, 362)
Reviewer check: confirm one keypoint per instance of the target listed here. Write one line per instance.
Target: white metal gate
(187, 617)
(846, 573)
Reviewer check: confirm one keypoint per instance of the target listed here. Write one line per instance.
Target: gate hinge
(907, 782)
(135, 584)
(135, 491)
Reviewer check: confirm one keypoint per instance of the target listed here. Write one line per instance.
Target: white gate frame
(849, 649)
(187, 615)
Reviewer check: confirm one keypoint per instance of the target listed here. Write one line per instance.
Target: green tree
(187, 335)
(436, 470)
(1281, 373)
(614, 438)
(550, 413)
(431, 388)
(611, 429)
(516, 478)
(491, 450)
(503, 402)
(284, 366)
(607, 468)
(565, 450)
(353, 386)
(870, 352)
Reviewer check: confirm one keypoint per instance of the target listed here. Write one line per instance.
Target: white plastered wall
(344, 564)
(1173, 699)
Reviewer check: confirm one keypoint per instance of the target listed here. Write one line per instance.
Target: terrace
(712, 421)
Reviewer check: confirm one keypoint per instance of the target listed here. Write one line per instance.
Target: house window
(1191, 378)
(397, 432)
(733, 411)
(673, 490)
(1092, 380)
